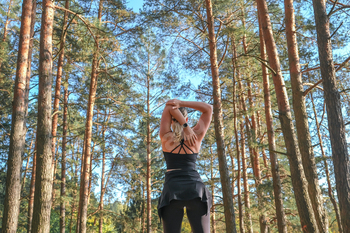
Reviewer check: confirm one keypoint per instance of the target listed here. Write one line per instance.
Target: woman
(183, 186)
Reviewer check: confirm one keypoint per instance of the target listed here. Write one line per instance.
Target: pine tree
(18, 127)
(335, 117)
(43, 184)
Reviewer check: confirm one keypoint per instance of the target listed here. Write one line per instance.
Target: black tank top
(181, 161)
(183, 183)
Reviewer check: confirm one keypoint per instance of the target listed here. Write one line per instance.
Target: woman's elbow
(210, 108)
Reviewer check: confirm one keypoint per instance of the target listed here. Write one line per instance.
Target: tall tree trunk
(81, 186)
(18, 129)
(249, 125)
(63, 161)
(31, 192)
(28, 74)
(43, 182)
(74, 196)
(27, 163)
(84, 182)
(264, 226)
(56, 102)
(100, 227)
(243, 108)
(256, 164)
(277, 187)
(252, 133)
(255, 155)
(245, 182)
(229, 151)
(334, 113)
(239, 192)
(300, 185)
(143, 209)
(212, 211)
(148, 145)
(330, 192)
(218, 123)
(90, 176)
(261, 136)
(84, 196)
(234, 101)
(30, 52)
(301, 120)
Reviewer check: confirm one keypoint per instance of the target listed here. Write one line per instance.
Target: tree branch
(262, 61)
(179, 35)
(331, 11)
(312, 86)
(223, 56)
(336, 30)
(343, 64)
(81, 18)
(339, 9)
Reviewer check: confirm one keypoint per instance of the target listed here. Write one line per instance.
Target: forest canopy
(83, 85)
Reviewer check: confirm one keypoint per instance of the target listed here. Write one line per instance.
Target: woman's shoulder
(166, 136)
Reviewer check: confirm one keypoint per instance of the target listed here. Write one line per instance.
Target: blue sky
(135, 4)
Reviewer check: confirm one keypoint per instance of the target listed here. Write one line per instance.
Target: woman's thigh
(198, 216)
(172, 215)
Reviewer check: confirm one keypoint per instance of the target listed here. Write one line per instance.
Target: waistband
(183, 169)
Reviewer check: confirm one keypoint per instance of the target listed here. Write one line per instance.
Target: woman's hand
(175, 103)
(190, 136)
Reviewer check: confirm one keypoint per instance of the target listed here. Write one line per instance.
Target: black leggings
(197, 214)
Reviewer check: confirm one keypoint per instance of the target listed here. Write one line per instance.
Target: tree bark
(264, 227)
(330, 192)
(301, 120)
(243, 108)
(218, 123)
(334, 113)
(234, 101)
(262, 137)
(84, 196)
(31, 192)
(239, 191)
(43, 183)
(248, 123)
(143, 208)
(300, 185)
(100, 227)
(30, 52)
(212, 211)
(56, 102)
(148, 145)
(277, 187)
(256, 164)
(245, 182)
(63, 161)
(74, 196)
(91, 159)
(18, 129)
(27, 164)
(81, 180)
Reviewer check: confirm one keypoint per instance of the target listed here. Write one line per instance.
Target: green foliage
(165, 48)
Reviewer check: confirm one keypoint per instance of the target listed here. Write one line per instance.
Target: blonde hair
(177, 128)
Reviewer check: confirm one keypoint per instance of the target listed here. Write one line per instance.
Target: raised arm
(204, 121)
(165, 122)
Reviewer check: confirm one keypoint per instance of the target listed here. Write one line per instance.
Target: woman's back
(183, 186)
